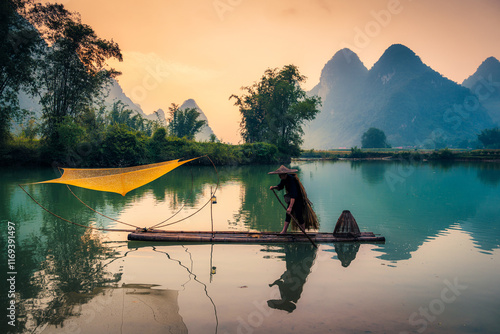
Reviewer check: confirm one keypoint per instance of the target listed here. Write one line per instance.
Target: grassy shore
(403, 154)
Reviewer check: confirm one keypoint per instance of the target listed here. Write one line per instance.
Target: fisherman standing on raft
(299, 205)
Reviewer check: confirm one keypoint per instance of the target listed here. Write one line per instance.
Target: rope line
(102, 214)
(191, 273)
(69, 221)
(204, 205)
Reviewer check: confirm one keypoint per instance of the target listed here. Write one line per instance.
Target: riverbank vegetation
(411, 155)
(118, 145)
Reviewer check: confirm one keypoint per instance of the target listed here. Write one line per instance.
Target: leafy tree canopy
(490, 138)
(184, 122)
(18, 42)
(72, 70)
(374, 138)
(274, 109)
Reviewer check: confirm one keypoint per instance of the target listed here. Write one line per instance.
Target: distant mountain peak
(190, 103)
(345, 63)
(398, 56)
(490, 61)
(206, 132)
(345, 57)
(489, 69)
(484, 83)
(400, 95)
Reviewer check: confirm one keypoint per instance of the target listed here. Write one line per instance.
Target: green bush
(122, 147)
(357, 153)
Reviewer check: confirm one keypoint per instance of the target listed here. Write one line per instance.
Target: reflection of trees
(299, 259)
(60, 267)
(259, 208)
(27, 261)
(71, 270)
(185, 184)
(372, 171)
(444, 165)
(489, 173)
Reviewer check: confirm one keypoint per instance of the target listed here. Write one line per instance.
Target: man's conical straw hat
(284, 170)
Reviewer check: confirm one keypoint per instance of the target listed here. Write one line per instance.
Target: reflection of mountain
(484, 227)
(299, 260)
(489, 174)
(413, 203)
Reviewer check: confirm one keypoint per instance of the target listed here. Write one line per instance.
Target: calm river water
(438, 271)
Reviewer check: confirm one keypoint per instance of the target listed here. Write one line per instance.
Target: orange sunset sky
(207, 49)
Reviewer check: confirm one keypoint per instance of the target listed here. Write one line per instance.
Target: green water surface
(438, 271)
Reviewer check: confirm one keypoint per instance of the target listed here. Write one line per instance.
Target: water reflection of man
(299, 259)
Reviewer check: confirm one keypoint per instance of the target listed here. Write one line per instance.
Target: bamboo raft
(346, 230)
(248, 237)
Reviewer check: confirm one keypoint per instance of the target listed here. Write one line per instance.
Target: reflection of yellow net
(116, 180)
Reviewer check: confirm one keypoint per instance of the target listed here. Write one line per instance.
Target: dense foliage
(62, 62)
(72, 72)
(274, 109)
(374, 138)
(490, 138)
(184, 122)
(18, 49)
(122, 146)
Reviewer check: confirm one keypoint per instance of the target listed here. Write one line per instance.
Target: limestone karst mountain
(485, 84)
(413, 104)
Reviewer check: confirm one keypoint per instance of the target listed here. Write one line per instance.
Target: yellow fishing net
(116, 180)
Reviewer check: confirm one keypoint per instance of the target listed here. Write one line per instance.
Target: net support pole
(211, 215)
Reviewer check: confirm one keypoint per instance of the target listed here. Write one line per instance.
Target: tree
(490, 138)
(184, 123)
(119, 114)
(274, 109)
(374, 138)
(18, 45)
(73, 70)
